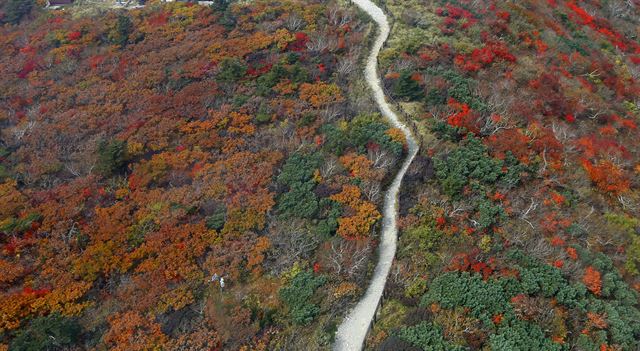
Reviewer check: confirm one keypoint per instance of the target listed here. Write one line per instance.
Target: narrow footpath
(353, 330)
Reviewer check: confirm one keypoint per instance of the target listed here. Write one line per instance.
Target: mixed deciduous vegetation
(519, 217)
(149, 156)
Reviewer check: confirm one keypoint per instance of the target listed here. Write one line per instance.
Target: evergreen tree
(407, 87)
(16, 10)
(112, 156)
(120, 33)
(52, 332)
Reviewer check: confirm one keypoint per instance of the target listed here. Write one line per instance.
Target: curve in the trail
(353, 330)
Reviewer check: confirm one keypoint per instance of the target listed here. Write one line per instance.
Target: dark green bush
(112, 157)
(216, 220)
(53, 332)
(427, 336)
(407, 88)
(16, 10)
(297, 296)
(123, 29)
(297, 175)
(470, 162)
(231, 70)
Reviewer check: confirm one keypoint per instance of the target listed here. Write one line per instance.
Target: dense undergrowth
(147, 154)
(519, 227)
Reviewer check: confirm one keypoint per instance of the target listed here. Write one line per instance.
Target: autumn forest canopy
(189, 177)
(144, 152)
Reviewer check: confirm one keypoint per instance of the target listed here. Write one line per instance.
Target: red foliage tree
(607, 176)
(465, 117)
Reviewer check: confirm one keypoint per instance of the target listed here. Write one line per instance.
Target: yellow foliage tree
(364, 215)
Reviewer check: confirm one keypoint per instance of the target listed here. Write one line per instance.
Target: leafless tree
(381, 158)
(358, 261)
(318, 43)
(518, 238)
(346, 65)
(348, 258)
(22, 129)
(291, 242)
(70, 234)
(456, 208)
(525, 214)
(328, 168)
(371, 190)
(627, 204)
(493, 125)
(338, 17)
(330, 113)
(338, 253)
(405, 65)
(540, 248)
(620, 8)
(294, 22)
(499, 99)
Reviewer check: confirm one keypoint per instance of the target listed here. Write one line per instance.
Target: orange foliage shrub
(397, 135)
(131, 331)
(592, 279)
(358, 165)
(320, 93)
(607, 176)
(597, 320)
(11, 199)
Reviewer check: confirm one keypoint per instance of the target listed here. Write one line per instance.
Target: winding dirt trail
(353, 330)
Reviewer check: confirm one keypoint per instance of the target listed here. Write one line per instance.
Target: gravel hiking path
(353, 329)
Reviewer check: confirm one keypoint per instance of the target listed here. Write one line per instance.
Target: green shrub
(460, 88)
(18, 225)
(521, 336)
(120, 33)
(221, 5)
(112, 157)
(489, 213)
(16, 10)
(428, 337)
(297, 296)
(331, 210)
(632, 265)
(297, 175)
(53, 332)
(231, 70)
(425, 237)
(470, 162)
(367, 128)
(263, 118)
(138, 232)
(485, 299)
(407, 88)
(446, 131)
(216, 220)
(299, 168)
(436, 97)
(299, 201)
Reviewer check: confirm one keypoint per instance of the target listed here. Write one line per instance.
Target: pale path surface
(353, 330)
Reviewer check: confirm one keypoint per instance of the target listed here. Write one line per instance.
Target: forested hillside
(520, 222)
(181, 177)
(187, 177)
